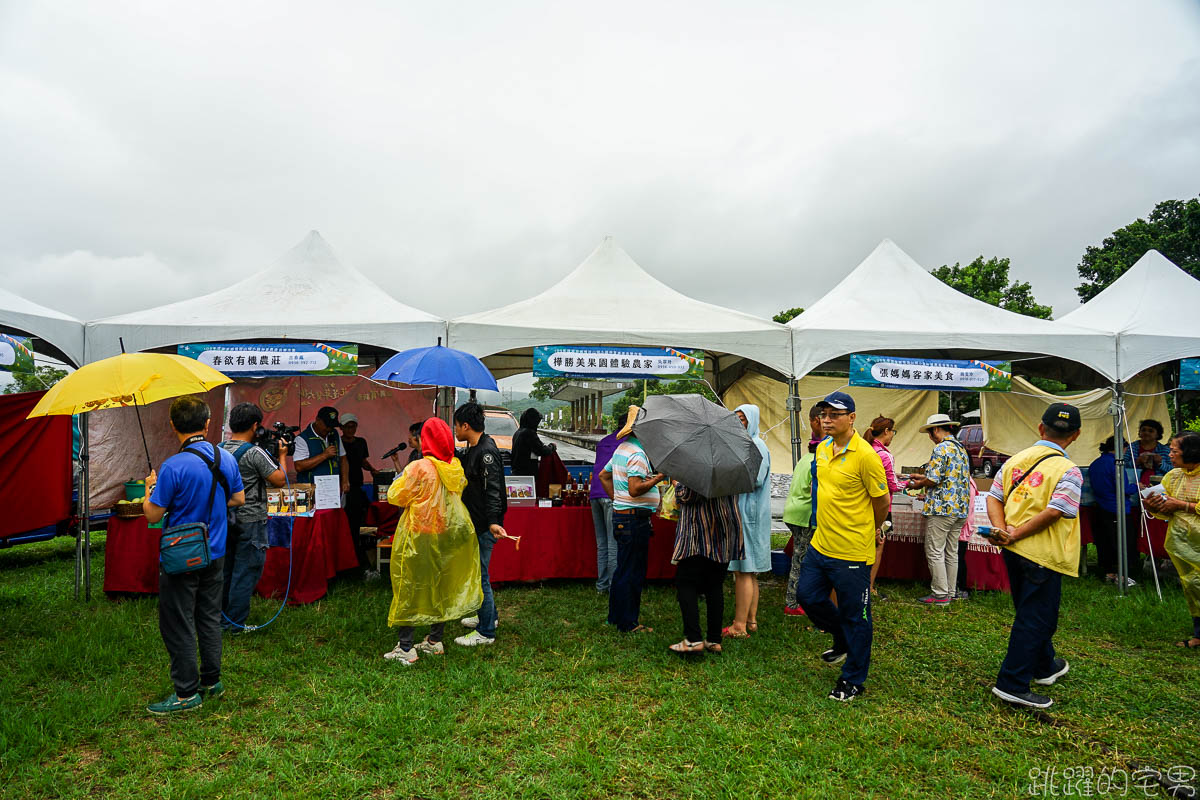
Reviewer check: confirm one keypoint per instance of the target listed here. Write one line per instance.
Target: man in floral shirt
(947, 504)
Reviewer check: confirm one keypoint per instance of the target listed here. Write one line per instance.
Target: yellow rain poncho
(1183, 534)
(435, 555)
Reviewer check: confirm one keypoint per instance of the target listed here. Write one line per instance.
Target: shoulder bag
(184, 548)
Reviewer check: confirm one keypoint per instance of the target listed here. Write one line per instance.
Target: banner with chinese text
(937, 374)
(252, 360)
(582, 361)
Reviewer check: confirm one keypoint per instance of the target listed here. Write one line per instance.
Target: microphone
(396, 449)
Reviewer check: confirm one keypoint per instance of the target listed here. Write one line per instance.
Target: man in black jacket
(486, 501)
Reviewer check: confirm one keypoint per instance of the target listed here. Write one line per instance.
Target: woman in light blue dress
(755, 510)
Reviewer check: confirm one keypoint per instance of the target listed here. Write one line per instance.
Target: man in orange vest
(1034, 510)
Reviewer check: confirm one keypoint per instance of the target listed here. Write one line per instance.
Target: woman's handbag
(184, 548)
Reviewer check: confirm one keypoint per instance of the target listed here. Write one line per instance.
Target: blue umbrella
(437, 366)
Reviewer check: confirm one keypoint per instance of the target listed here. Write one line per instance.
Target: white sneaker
(371, 575)
(470, 622)
(432, 648)
(405, 657)
(473, 638)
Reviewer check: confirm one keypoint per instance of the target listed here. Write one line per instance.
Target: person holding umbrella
(198, 484)
(708, 536)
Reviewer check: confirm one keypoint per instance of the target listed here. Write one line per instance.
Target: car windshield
(500, 425)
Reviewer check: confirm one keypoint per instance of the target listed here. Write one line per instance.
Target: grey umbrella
(698, 443)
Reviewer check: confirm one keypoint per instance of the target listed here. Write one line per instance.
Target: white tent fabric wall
(610, 299)
(1149, 311)
(891, 304)
(61, 331)
(307, 295)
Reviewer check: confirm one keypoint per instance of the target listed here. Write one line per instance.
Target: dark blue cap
(839, 400)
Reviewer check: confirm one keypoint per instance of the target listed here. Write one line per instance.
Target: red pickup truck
(983, 458)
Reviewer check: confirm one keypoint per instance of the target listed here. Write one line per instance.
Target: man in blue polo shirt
(189, 604)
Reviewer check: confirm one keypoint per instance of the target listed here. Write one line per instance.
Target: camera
(268, 438)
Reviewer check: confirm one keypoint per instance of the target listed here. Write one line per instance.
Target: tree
(787, 315)
(543, 388)
(41, 379)
(988, 281)
(1173, 229)
(633, 395)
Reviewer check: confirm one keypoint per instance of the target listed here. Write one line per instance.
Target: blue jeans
(850, 620)
(606, 545)
(246, 552)
(632, 534)
(1036, 593)
(487, 612)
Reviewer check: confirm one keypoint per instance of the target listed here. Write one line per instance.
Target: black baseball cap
(329, 416)
(839, 400)
(1062, 418)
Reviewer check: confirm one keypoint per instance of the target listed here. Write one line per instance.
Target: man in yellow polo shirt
(852, 502)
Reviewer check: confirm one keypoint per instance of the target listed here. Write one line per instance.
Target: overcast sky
(468, 154)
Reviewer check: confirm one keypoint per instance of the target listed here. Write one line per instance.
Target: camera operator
(246, 547)
(319, 450)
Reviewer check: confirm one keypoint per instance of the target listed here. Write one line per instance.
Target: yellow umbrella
(130, 379)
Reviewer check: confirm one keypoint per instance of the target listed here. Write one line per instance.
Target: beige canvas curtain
(908, 407)
(1010, 419)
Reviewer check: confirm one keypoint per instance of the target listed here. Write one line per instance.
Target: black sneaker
(1061, 667)
(1028, 699)
(844, 692)
(832, 656)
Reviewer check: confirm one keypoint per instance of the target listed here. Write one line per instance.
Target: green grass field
(563, 706)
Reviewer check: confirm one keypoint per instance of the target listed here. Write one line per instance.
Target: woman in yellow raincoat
(1179, 504)
(435, 554)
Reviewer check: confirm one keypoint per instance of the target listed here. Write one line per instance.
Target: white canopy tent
(890, 304)
(610, 300)
(60, 335)
(308, 294)
(1136, 310)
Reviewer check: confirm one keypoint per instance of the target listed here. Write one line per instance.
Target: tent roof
(1135, 309)
(890, 304)
(610, 299)
(63, 333)
(308, 294)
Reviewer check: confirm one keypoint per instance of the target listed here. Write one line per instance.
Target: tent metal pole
(793, 411)
(86, 457)
(1119, 451)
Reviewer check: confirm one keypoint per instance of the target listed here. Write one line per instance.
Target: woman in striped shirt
(707, 538)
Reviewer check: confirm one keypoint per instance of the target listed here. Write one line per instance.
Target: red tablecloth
(904, 555)
(555, 543)
(131, 556)
(1156, 527)
(321, 548)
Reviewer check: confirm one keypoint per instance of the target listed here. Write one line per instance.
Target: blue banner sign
(1189, 373)
(252, 360)
(892, 372)
(623, 363)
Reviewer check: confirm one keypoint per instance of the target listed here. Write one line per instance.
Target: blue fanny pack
(184, 548)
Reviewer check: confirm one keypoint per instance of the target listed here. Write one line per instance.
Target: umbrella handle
(149, 465)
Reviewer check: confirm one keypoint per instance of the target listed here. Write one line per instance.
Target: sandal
(686, 648)
(642, 629)
(1187, 643)
(713, 647)
(752, 627)
(730, 633)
